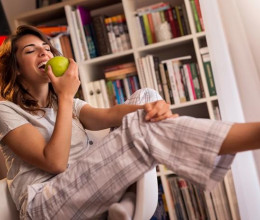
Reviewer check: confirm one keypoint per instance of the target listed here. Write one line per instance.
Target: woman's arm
(241, 137)
(28, 143)
(98, 118)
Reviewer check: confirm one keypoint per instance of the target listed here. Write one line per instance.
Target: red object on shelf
(2, 38)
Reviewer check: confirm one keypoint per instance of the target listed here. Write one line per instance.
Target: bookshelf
(93, 69)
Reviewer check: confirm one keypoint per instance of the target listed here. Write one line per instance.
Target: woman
(53, 173)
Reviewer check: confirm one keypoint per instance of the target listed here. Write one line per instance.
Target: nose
(42, 52)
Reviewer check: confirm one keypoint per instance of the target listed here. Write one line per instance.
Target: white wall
(233, 36)
(15, 7)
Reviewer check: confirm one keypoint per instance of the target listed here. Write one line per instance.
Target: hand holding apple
(58, 64)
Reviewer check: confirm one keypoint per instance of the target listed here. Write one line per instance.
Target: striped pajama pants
(186, 145)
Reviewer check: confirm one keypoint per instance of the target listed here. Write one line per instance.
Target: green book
(195, 80)
(195, 16)
(147, 29)
(209, 74)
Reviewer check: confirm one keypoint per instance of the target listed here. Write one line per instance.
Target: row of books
(190, 202)
(96, 36)
(159, 22)
(176, 82)
(121, 82)
(59, 37)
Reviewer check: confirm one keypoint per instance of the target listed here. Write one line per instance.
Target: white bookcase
(92, 69)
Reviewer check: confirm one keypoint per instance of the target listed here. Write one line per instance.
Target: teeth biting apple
(42, 65)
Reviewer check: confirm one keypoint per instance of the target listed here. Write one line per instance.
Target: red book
(170, 19)
(152, 28)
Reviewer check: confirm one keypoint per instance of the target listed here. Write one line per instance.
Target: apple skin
(58, 64)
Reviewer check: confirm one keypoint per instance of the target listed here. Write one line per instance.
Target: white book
(189, 81)
(177, 59)
(210, 206)
(77, 34)
(147, 73)
(98, 94)
(126, 87)
(104, 93)
(139, 31)
(82, 35)
(72, 31)
(55, 41)
(91, 99)
(176, 67)
(173, 82)
(141, 73)
(152, 72)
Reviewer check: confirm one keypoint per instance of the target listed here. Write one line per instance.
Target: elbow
(57, 168)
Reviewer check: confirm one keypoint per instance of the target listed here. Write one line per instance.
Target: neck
(40, 93)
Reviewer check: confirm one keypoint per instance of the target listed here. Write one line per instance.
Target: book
(90, 94)
(190, 85)
(209, 74)
(66, 46)
(72, 31)
(98, 94)
(100, 32)
(121, 72)
(82, 36)
(195, 16)
(53, 30)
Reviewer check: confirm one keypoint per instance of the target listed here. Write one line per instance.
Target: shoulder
(11, 117)
(77, 106)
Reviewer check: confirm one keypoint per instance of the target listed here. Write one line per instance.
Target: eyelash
(28, 52)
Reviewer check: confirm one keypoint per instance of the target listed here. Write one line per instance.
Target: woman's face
(32, 55)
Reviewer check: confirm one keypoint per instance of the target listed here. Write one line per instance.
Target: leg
(124, 210)
(85, 190)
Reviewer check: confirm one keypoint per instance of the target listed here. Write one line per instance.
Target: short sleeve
(78, 104)
(9, 119)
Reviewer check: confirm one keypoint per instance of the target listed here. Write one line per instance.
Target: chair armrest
(146, 196)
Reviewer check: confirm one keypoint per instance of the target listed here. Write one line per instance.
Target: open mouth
(42, 65)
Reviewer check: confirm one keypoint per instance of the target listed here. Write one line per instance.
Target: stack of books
(122, 82)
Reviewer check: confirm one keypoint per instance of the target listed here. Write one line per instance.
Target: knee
(143, 96)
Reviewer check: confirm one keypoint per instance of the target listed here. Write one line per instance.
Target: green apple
(58, 64)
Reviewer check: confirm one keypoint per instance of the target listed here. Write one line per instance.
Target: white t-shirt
(21, 174)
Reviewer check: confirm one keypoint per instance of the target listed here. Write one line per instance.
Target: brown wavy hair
(11, 88)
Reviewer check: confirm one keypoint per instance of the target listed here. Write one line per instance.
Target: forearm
(57, 149)
(241, 137)
(98, 118)
(117, 113)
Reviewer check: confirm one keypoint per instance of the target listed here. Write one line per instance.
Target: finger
(174, 116)
(150, 114)
(159, 118)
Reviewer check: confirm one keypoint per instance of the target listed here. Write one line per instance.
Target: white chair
(146, 196)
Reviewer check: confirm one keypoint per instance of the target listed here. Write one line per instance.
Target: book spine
(195, 80)
(103, 44)
(209, 74)
(195, 15)
(147, 29)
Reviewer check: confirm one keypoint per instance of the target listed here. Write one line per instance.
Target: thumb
(50, 73)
